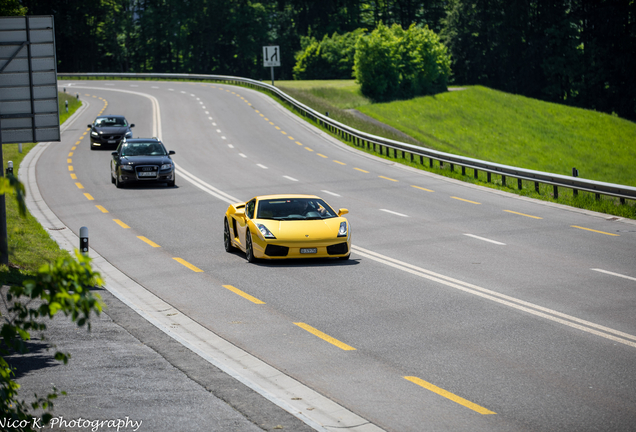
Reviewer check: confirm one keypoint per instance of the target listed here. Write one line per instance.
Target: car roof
(110, 116)
(281, 196)
(138, 140)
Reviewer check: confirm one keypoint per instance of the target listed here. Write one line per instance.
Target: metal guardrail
(383, 145)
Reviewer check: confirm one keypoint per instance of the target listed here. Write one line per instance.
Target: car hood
(302, 230)
(142, 160)
(112, 129)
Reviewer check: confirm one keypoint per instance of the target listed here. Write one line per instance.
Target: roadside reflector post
(84, 240)
(66, 104)
(10, 168)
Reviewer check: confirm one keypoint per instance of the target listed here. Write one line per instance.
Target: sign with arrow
(271, 56)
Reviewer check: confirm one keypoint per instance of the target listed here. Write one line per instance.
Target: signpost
(28, 90)
(271, 58)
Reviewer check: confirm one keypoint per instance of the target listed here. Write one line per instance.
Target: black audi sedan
(109, 130)
(142, 160)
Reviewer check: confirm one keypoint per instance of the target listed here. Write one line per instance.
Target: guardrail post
(622, 200)
(556, 192)
(503, 180)
(536, 187)
(575, 173)
(430, 161)
(463, 170)
(519, 184)
(452, 167)
(489, 176)
(476, 174)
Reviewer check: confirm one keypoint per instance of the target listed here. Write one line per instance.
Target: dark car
(109, 130)
(142, 160)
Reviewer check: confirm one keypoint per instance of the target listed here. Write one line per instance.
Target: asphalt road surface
(462, 308)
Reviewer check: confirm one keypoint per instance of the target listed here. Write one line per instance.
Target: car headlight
(342, 232)
(94, 134)
(266, 233)
(127, 168)
(129, 134)
(166, 166)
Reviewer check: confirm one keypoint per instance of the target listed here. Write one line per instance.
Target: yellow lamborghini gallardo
(287, 226)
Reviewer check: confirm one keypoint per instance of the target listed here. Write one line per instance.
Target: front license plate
(112, 141)
(309, 250)
(147, 174)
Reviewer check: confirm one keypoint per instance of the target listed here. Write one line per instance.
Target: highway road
(462, 308)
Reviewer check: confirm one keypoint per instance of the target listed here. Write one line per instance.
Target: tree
(395, 63)
(63, 286)
(331, 58)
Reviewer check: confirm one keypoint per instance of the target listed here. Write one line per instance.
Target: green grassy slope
(499, 127)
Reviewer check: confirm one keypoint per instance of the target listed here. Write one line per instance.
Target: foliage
(393, 63)
(575, 52)
(63, 286)
(12, 8)
(331, 58)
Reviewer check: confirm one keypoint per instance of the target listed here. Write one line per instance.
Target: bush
(331, 58)
(392, 63)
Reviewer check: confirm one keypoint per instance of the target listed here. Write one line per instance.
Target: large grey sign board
(28, 80)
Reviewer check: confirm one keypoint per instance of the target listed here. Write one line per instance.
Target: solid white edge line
(485, 239)
(290, 178)
(614, 274)
(500, 298)
(262, 166)
(324, 415)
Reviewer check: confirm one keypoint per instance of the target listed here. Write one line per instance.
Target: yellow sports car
(287, 226)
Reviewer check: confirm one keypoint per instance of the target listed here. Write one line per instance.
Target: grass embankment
(499, 127)
(30, 245)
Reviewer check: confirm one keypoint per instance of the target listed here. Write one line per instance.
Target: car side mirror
(132, 125)
(115, 153)
(90, 125)
(342, 212)
(171, 152)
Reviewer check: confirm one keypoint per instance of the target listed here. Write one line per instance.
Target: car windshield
(142, 149)
(111, 122)
(294, 209)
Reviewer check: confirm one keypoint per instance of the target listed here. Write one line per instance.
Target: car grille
(337, 249)
(276, 251)
(147, 171)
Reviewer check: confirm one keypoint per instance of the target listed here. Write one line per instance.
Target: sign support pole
(272, 68)
(4, 238)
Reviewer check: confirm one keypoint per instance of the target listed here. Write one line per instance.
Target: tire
(172, 183)
(118, 182)
(112, 179)
(249, 251)
(227, 240)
